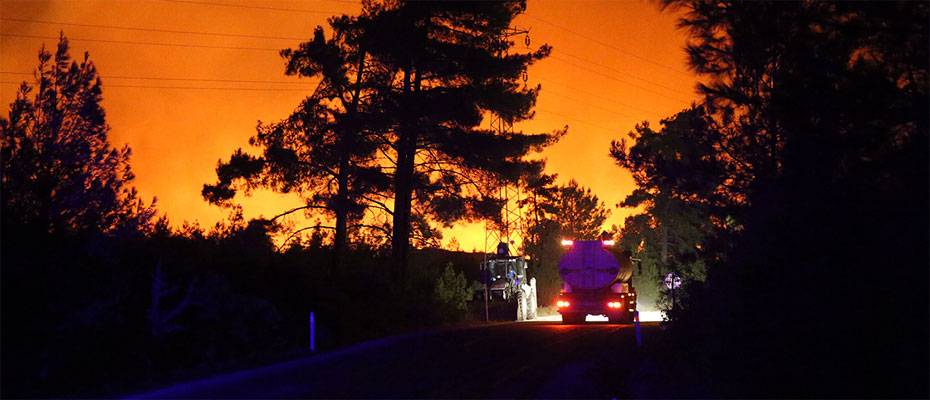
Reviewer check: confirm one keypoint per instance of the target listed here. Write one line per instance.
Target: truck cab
(508, 293)
(504, 276)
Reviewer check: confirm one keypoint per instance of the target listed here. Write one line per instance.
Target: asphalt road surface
(512, 360)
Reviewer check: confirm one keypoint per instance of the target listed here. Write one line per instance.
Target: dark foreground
(536, 359)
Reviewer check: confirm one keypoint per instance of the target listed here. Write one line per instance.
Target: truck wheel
(532, 305)
(521, 305)
(534, 300)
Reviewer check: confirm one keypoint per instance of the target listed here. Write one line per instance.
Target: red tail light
(614, 304)
(562, 304)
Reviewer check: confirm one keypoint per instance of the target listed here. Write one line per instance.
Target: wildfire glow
(179, 129)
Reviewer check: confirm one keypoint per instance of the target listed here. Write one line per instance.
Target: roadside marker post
(312, 332)
(639, 339)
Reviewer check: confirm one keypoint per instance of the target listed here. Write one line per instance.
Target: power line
(618, 79)
(161, 78)
(576, 119)
(215, 4)
(671, 89)
(300, 10)
(242, 48)
(580, 101)
(197, 46)
(610, 46)
(589, 93)
(131, 28)
(186, 87)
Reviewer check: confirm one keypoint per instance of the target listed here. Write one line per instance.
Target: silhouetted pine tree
(326, 151)
(581, 215)
(681, 188)
(60, 172)
(451, 69)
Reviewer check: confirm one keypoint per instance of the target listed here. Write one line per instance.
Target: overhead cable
(162, 44)
(608, 45)
(158, 30)
(228, 5)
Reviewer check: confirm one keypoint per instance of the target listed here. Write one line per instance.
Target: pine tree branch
(386, 231)
(380, 205)
(291, 236)
(293, 210)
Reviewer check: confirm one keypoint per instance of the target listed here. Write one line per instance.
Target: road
(512, 360)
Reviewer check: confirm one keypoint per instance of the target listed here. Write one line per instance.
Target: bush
(452, 290)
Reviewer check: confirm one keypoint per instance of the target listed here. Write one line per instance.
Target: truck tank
(597, 281)
(589, 265)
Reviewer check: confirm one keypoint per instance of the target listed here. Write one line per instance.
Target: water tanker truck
(596, 280)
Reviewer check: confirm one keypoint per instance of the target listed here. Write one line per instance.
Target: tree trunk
(403, 187)
(400, 244)
(342, 215)
(664, 243)
(340, 241)
(663, 225)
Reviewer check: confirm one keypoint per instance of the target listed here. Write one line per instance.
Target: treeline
(794, 201)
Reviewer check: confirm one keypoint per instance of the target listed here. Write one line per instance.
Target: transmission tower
(510, 229)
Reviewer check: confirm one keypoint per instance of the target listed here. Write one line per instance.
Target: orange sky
(614, 63)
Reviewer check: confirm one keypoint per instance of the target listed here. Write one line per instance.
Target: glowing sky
(614, 64)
